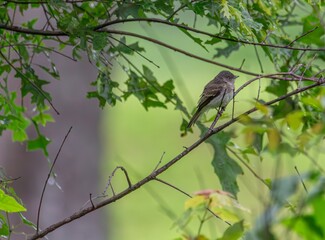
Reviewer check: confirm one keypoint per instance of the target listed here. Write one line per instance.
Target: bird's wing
(210, 91)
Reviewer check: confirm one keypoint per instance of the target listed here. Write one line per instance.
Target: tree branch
(153, 175)
(157, 20)
(47, 179)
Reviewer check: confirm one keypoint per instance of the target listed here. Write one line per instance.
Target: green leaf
(130, 9)
(233, 232)
(226, 168)
(315, 37)
(4, 228)
(305, 226)
(43, 118)
(199, 41)
(278, 88)
(294, 119)
(225, 52)
(99, 40)
(9, 204)
(39, 143)
(26, 221)
(18, 128)
(127, 48)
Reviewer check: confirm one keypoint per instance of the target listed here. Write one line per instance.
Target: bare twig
(301, 180)
(137, 52)
(172, 186)
(91, 200)
(109, 183)
(303, 35)
(185, 193)
(247, 166)
(179, 8)
(160, 160)
(47, 179)
(157, 20)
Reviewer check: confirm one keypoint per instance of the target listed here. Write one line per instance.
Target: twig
(242, 63)
(247, 166)
(160, 160)
(47, 179)
(185, 193)
(109, 183)
(302, 181)
(178, 9)
(157, 20)
(303, 35)
(137, 52)
(172, 186)
(203, 218)
(258, 59)
(101, 26)
(91, 200)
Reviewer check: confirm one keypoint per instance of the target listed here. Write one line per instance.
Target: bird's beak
(236, 77)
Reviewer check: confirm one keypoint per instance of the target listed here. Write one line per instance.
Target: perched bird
(216, 94)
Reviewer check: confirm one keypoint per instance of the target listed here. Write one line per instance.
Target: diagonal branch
(153, 175)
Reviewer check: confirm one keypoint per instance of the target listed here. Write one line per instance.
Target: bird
(216, 94)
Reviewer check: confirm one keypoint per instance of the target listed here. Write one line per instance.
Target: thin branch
(137, 52)
(185, 193)
(301, 180)
(156, 20)
(91, 200)
(109, 182)
(247, 166)
(259, 59)
(153, 175)
(179, 8)
(47, 179)
(160, 160)
(203, 218)
(303, 35)
(195, 56)
(47, 2)
(172, 186)
(60, 33)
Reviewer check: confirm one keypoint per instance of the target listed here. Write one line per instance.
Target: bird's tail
(195, 117)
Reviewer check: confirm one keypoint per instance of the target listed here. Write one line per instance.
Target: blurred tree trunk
(78, 164)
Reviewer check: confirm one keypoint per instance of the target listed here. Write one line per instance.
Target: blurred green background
(137, 139)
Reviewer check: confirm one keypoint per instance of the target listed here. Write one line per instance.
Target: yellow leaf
(245, 119)
(226, 207)
(274, 138)
(249, 136)
(303, 140)
(294, 119)
(196, 201)
(317, 128)
(263, 108)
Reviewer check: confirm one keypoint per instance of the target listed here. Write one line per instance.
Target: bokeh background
(127, 135)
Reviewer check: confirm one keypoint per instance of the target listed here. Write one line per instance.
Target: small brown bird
(217, 93)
